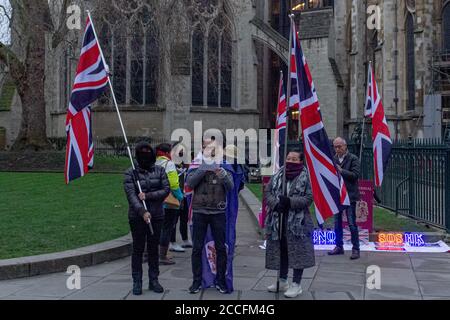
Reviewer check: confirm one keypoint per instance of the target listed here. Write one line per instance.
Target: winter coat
(299, 223)
(154, 184)
(351, 169)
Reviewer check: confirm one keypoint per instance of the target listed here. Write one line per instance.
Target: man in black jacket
(349, 166)
(155, 189)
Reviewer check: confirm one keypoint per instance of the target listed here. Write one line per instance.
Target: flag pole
(288, 102)
(369, 74)
(119, 116)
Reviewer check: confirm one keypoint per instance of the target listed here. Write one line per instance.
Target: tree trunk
(31, 88)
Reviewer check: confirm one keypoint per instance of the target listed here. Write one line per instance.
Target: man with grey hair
(349, 166)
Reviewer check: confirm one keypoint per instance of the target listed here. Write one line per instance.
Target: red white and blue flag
(280, 130)
(328, 188)
(90, 82)
(381, 137)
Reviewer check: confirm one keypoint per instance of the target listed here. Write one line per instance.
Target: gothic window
(212, 52)
(446, 27)
(213, 68)
(132, 53)
(410, 62)
(197, 67)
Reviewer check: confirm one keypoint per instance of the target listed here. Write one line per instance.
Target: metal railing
(417, 181)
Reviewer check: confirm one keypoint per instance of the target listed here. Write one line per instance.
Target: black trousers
(183, 214)
(140, 232)
(338, 229)
(217, 222)
(170, 223)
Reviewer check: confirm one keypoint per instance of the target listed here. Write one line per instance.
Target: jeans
(140, 232)
(184, 212)
(351, 218)
(170, 222)
(284, 259)
(217, 222)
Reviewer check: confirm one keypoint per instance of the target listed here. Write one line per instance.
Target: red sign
(364, 211)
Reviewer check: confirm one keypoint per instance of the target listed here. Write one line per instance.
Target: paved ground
(403, 276)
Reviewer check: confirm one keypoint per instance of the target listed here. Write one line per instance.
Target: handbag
(171, 202)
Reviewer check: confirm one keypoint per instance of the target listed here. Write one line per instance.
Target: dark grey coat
(154, 184)
(351, 168)
(299, 225)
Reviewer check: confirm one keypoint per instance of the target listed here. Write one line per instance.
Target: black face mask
(145, 158)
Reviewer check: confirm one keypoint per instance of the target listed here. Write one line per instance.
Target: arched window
(132, 52)
(213, 67)
(446, 27)
(212, 51)
(410, 62)
(197, 67)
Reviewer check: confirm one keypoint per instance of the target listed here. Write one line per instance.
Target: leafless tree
(31, 22)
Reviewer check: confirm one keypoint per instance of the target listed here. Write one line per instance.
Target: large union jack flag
(91, 81)
(280, 130)
(381, 137)
(329, 191)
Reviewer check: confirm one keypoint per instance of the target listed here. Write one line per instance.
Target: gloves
(284, 205)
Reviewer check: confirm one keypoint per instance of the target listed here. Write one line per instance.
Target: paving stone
(431, 264)
(146, 295)
(326, 295)
(383, 295)
(306, 295)
(432, 276)
(244, 283)
(54, 286)
(9, 289)
(257, 295)
(174, 294)
(213, 294)
(345, 267)
(399, 281)
(435, 288)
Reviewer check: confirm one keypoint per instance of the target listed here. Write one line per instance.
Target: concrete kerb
(253, 205)
(58, 262)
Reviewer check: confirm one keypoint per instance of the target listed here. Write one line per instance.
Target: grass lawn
(384, 220)
(112, 164)
(40, 214)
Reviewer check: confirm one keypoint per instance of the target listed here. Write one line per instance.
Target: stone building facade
(218, 61)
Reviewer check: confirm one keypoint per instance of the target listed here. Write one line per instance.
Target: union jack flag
(381, 137)
(90, 82)
(329, 191)
(280, 130)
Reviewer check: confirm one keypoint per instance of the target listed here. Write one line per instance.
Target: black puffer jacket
(156, 187)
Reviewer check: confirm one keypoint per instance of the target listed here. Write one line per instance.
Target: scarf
(293, 170)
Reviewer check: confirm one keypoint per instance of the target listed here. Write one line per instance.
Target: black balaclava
(145, 155)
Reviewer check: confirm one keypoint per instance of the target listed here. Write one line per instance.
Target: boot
(355, 255)
(137, 283)
(163, 258)
(154, 286)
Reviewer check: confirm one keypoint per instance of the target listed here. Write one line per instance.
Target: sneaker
(336, 251)
(222, 288)
(175, 247)
(196, 287)
(294, 291)
(155, 286)
(187, 244)
(284, 286)
(355, 255)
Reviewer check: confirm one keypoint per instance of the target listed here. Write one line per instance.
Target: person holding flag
(349, 167)
(91, 80)
(293, 248)
(154, 189)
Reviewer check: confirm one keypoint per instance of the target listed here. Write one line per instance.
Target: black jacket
(154, 184)
(351, 169)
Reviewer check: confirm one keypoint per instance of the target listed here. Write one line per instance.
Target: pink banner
(364, 212)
